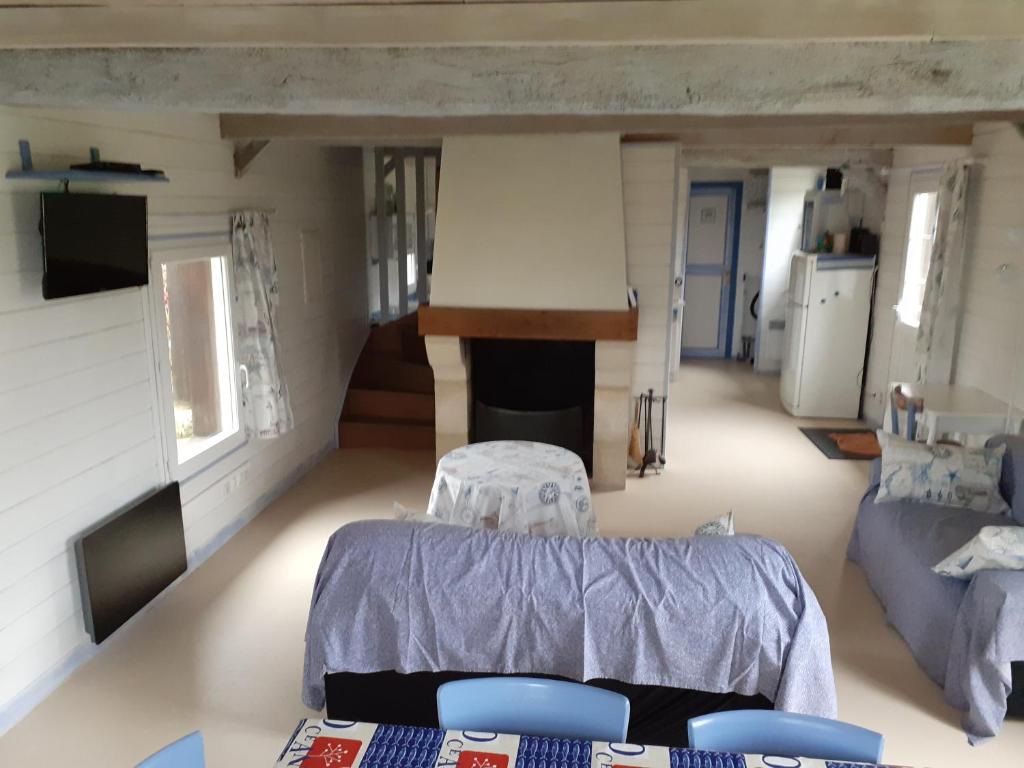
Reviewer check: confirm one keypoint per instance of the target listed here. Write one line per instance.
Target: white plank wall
(985, 351)
(786, 189)
(77, 411)
(990, 353)
(649, 183)
(892, 246)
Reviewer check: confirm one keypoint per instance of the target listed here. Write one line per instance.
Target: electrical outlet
(235, 480)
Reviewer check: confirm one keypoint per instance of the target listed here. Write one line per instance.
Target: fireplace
(604, 411)
(534, 390)
(530, 330)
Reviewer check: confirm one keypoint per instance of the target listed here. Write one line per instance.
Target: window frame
(921, 182)
(176, 252)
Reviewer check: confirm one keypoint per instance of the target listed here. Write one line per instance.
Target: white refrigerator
(827, 312)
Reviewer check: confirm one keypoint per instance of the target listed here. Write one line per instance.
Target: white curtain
(266, 409)
(940, 312)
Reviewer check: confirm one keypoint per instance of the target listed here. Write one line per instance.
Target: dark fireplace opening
(534, 390)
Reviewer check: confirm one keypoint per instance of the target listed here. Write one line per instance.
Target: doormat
(853, 444)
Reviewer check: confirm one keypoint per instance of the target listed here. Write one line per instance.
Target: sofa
(966, 635)
(680, 626)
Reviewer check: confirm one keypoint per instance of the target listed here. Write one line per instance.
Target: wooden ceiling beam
(189, 23)
(845, 79)
(767, 157)
(691, 131)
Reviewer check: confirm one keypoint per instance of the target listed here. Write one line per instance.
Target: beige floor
(223, 651)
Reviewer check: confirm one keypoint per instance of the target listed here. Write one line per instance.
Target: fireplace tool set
(647, 457)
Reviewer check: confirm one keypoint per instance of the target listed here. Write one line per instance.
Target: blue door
(712, 251)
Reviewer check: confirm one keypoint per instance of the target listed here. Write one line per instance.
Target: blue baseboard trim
(705, 353)
(203, 554)
(32, 696)
(22, 704)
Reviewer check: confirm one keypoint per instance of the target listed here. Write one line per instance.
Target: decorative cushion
(875, 473)
(999, 547)
(415, 516)
(720, 526)
(941, 474)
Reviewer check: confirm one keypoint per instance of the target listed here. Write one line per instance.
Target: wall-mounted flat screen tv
(92, 243)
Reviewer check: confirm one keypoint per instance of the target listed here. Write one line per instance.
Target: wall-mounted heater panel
(129, 558)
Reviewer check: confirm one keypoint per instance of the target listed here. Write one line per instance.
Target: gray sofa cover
(712, 613)
(964, 634)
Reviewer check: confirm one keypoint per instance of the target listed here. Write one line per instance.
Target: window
(920, 238)
(195, 355)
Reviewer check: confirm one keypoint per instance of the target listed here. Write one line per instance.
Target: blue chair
(533, 706)
(770, 732)
(186, 752)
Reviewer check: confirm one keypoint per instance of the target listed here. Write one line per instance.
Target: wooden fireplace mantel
(541, 324)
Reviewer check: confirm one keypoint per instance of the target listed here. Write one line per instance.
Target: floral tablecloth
(514, 485)
(347, 744)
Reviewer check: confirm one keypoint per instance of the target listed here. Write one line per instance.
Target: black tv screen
(92, 243)
(126, 561)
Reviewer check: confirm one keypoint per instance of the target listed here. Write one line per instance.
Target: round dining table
(514, 485)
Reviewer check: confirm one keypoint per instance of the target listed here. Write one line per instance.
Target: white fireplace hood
(530, 222)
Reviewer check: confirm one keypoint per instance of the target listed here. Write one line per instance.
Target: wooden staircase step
(379, 372)
(390, 401)
(414, 349)
(361, 404)
(397, 344)
(385, 434)
(385, 340)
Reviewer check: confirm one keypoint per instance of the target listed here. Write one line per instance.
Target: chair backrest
(898, 401)
(533, 706)
(186, 752)
(769, 732)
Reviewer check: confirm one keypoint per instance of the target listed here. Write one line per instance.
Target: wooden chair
(912, 406)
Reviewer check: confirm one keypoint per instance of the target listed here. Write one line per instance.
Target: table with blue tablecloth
(346, 744)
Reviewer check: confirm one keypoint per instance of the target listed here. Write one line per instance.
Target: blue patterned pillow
(941, 474)
(996, 547)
